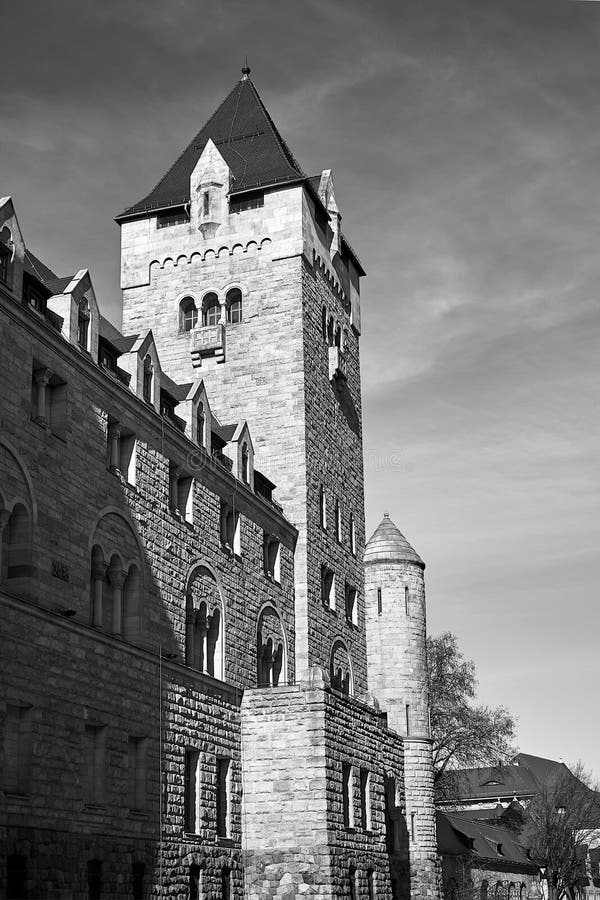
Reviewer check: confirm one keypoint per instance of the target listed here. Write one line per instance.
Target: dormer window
(211, 310)
(36, 299)
(200, 425)
(108, 358)
(234, 306)
(167, 406)
(83, 324)
(188, 314)
(147, 382)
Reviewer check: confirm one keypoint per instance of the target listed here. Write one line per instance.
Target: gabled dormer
(241, 452)
(141, 361)
(193, 409)
(12, 248)
(77, 307)
(209, 187)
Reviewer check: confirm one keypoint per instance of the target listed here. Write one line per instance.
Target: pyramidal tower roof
(388, 544)
(248, 141)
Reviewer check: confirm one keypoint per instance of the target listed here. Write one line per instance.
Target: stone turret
(397, 676)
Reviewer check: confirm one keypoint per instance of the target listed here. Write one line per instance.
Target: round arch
(341, 671)
(268, 607)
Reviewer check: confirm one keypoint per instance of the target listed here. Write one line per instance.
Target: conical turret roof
(248, 141)
(388, 544)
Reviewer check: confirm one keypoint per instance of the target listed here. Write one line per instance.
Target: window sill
(94, 807)
(192, 836)
(22, 796)
(138, 814)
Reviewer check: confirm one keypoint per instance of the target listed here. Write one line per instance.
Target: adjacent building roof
(488, 783)
(388, 544)
(249, 142)
(34, 266)
(458, 835)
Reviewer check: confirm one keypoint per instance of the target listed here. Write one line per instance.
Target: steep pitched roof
(249, 142)
(34, 266)
(488, 782)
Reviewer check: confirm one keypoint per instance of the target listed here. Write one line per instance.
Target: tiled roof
(488, 782)
(35, 267)
(109, 332)
(388, 543)
(249, 142)
(57, 285)
(457, 833)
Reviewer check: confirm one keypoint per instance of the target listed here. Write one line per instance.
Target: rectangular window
(327, 587)
(272, 557)
(371, 888)
(406, 601)
(206, 203)
(412, 826)
(127, 456)
(407, 712)
(338, 523)
(225, 883)
(191, 791)
(137, 773)
(323, 507)
(379, 602)
(223, 792)
(348, 795)
(165, 220)
(137, 880)
(56, 404)
(94, 867)
(351, 605)
(107, 357)
(352, 535)
(18, 748)
(167, 406)
(94, 761)
(365, 799)
(230, 526)
(181, 493)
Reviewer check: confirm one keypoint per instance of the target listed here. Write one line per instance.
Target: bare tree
(464, 733)
(562, 823)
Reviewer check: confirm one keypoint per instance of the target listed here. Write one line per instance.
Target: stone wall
(67, 673)
(295, 742)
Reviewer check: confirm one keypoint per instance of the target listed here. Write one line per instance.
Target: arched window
(188, 314)
(512, 891)
(523, 892)
(211, 310)
(340, 668)
(270, 650)
(83, 324)
(234, 306)
(204, 624)
(245, 463)
(116, 579)
(200, 425)
(483, 890)
(15, 554)
(498, 892)
(147, 382)
(338, 336)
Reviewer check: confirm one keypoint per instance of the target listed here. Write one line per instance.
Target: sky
(463, 136)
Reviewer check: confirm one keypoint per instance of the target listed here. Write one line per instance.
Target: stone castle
(211, 688)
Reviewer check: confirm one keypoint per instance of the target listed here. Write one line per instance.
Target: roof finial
(245, 70)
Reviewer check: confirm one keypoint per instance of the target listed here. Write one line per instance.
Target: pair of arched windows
(209, 311)
(115, 595)
(271, 655)
(204, 638)
(340, 669)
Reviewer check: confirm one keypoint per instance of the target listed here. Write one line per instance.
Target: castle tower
(397, 674)
(237, 262)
